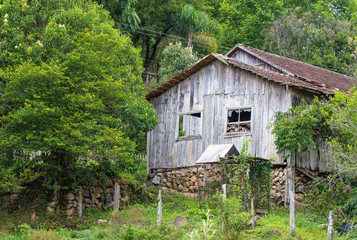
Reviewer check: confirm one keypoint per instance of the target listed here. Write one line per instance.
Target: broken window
(190, 124)
(239, 120)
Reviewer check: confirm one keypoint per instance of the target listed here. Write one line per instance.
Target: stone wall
(92, 197)
(185, 180)
(302, 184)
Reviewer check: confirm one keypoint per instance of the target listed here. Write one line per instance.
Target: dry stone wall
(185, 180)
(302, 184)
(94, 197)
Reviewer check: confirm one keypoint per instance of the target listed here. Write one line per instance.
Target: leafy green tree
(344, 122)
(322, 41)
(175, 58)
(193, 21)
(244, 20)
(305, 126)
(158, 22)
(123, 12)
(302, 127)
(71, 95)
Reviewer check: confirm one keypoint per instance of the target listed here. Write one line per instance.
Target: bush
(233, 219)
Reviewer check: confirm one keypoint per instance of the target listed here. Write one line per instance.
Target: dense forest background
(321, 33)
(73, 113)
(71, 92)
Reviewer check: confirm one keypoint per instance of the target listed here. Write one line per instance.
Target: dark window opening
(190, 125)
(239, 120)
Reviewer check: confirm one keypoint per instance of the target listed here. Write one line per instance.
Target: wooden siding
(212, 91)
(247, 58)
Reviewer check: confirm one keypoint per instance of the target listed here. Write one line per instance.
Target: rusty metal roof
(301, 70)
(214, 152)
(296, 74)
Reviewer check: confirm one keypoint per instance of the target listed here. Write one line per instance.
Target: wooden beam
(303, 171)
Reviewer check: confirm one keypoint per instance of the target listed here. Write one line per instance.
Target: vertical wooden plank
(148, 151)
(313, 159)
(188, 153)
(166, 129)
(172, 127)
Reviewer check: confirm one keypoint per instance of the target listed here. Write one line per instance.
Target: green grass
(277, 226)
(139, 222)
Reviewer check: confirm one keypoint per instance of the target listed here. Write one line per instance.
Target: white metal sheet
(214, 152)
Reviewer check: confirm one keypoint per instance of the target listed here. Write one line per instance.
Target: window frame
(235, 134)
(189, 137)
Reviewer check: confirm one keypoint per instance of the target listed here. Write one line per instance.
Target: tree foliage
(163, 20)
(71, 97)
(194, 21)
(305, 126)
(122, 12)
(302, 126)
(321, 41)
(175, 58)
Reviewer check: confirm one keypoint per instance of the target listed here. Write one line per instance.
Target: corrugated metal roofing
(214, 152)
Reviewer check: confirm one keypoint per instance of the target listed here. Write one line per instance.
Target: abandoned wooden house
(230, 99)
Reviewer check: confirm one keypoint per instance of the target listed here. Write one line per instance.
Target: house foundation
(185, 180)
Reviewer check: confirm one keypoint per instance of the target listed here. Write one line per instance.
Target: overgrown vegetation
(139, 222)
(175, 59)
(72, 109)
(332, 122)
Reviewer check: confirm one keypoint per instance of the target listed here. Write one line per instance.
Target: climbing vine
(250, 177)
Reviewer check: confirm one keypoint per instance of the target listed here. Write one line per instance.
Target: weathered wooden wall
(244, 57)
(211, 91)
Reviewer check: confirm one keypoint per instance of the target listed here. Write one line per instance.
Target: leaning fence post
(252, 212)
(159, 210)
(331, 221)
(116, 196)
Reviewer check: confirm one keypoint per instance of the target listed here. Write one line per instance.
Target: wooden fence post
(116, 196)
(252, 212)
(224, 188)
(291, 188)
(159, 210)
(331, 221)
(80, 204)
(198, 187)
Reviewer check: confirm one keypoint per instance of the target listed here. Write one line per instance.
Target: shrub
(233, 219)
